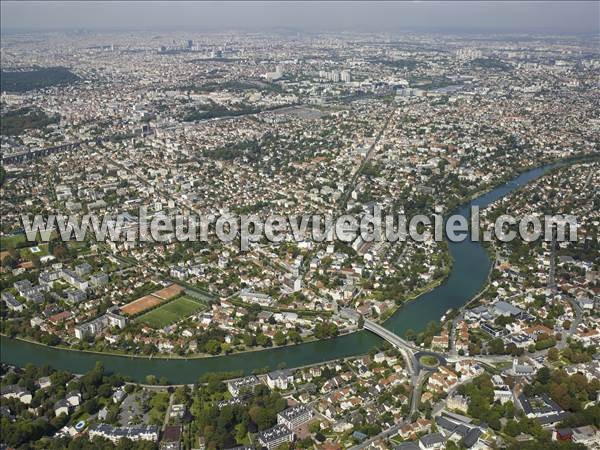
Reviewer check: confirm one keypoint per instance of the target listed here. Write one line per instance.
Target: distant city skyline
(581, 17)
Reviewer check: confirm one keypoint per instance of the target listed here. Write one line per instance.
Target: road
(440, 405)
(552, 281)
(366, 159)
(452, 352)
(408, 347)
(402, 345)
(417, 384)
(574, 323)
(168, 412)
(383, 435)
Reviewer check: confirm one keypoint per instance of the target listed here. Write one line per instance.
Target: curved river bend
(469, 273)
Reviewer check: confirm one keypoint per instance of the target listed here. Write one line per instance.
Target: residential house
(280, 379)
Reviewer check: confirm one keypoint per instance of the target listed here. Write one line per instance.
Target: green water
(468, 275)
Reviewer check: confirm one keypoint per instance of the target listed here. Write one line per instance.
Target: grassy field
(11, 241)
(27, 253)
(176, 310)
(428, 361)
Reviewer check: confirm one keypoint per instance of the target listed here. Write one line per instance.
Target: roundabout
(469, 273)
(429, 361)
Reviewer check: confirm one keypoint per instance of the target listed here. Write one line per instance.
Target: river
(468, 276)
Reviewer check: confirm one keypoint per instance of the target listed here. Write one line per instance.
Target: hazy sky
(540, 16)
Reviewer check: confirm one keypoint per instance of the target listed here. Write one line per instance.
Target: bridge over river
(468, 275)
(410, 351)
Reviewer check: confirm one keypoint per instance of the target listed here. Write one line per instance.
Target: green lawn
(175, 310)
(429, 361)
(26, 253)
(11, 241)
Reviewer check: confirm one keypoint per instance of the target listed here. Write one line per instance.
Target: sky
(556, 17)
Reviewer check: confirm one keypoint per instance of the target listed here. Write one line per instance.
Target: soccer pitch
(174, 311)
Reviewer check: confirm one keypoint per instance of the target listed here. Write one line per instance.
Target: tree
(59, 421)
(497, 346)
(326, 330)
(261, 417)
(509, 409)
(294, 336)
(543, 375)
(513, 350)
(35, 260)
(10, 262)
(512, 428)
(249, 340)
(91, 406)
(59, 251)
(361, 322)
(314, 427)
(105, 390)
(240, 432)
(553, 354)
(213, 347)
(263, 340)
(215, 386)
(279, 338)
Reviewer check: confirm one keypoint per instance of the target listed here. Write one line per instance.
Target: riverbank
(192, 356)
(469, 274)
(414, 295)
(492, 252)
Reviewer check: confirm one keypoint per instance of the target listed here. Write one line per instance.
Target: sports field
(150, 301)
(176, 310)
(141, 304)
(169, 292)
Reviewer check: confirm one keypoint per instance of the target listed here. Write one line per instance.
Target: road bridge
(403, 346)
(410, 349)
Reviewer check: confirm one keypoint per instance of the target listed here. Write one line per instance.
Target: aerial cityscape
(192, 197)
